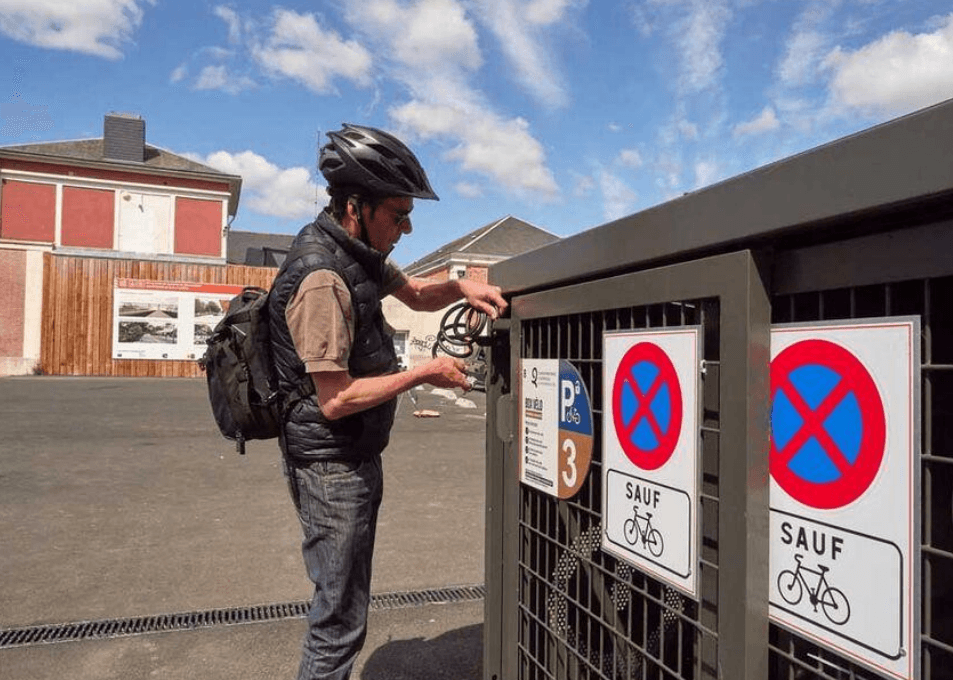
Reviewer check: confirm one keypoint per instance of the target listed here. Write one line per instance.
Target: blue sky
(565, 113)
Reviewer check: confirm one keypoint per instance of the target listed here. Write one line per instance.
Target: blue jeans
(337, 503)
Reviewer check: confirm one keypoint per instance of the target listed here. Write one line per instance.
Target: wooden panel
(78, 311)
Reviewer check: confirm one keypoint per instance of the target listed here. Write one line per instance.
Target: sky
(567, 114)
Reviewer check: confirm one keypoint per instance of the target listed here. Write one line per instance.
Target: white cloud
(469, 190)
(898, 73)
(518, 30)
(618, 199)
(805, 48)
(766, 121)
(97, 27)
(544, 12)
(687, 129)
(434, 35)
(706, 172)
(630, 158)
(301, 49)
(267, 189)
(583, 185)
(179, 73)
(485, 143)
(435, 55)
(231, 19)
(668, 174)
(218, 78)
(699, 36)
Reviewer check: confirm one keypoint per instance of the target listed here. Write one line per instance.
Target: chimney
(124, 137)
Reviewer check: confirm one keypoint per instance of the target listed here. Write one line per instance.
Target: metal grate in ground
(163, 623)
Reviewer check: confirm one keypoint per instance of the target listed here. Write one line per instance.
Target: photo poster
(166, 320)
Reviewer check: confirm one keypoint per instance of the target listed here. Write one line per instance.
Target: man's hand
(483, 297)
(445, 372)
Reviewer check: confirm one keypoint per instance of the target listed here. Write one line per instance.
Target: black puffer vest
(308, 434)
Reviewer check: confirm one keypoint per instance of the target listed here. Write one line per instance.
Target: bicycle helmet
(375, 160)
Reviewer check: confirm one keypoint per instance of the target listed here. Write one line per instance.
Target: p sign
(556, 435)
(844, 488)
(650, 435)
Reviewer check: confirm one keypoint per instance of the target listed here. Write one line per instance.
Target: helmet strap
(364, 237)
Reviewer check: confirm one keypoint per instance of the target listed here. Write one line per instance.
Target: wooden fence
(78, 311)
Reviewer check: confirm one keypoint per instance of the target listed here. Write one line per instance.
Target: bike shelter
(832, 250)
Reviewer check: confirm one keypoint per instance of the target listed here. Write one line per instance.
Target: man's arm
(340, 395)
(431, 296)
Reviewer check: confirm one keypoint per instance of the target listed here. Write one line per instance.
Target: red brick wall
(28, 211)
(440, 275)
(477, 273)
(113, 175)
(474, 273)
(89, 216)
(198, 227)
(12, 281)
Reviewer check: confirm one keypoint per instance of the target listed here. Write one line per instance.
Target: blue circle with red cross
(828, 428)
(647, 406)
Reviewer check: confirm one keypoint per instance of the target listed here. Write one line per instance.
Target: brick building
(469, 256)
(111, 198)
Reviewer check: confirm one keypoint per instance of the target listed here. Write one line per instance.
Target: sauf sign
(650, 434)
(844, 488)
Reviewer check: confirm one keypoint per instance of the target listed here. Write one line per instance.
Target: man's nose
(406, 227)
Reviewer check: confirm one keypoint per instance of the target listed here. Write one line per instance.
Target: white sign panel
(844, 488)
(556, 435)
(650, 443)
(166, 319)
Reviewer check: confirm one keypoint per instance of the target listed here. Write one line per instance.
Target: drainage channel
(163, 623)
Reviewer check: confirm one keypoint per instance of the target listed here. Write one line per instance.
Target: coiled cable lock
(461, 336)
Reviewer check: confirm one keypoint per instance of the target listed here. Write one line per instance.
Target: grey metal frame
(892, 274)
(738, 282)
(861, 227)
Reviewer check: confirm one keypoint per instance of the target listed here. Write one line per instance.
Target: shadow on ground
(455, 655)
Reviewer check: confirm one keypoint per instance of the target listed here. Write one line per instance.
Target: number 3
(569, 472)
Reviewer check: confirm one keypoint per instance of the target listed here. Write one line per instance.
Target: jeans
(337, 503)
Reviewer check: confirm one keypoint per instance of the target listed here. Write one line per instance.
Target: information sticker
(556, 436)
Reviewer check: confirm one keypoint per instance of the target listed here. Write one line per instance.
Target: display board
(166, 319)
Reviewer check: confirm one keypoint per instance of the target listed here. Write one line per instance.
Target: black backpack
(242, 386)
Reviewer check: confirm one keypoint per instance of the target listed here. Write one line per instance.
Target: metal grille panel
(583, 614)
(793, 658)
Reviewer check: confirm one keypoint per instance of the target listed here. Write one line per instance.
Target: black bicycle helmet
(371, 158)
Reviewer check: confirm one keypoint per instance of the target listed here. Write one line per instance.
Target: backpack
(242, 386)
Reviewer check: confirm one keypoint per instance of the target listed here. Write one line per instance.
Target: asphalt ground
(119, 499)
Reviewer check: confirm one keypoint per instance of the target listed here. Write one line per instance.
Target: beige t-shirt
(321, 319)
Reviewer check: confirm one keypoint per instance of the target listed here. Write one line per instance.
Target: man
(338, 377)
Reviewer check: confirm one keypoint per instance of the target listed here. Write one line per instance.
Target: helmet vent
(384, 151)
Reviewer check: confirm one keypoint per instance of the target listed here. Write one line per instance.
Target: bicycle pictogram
(831, 600)
(650, 537)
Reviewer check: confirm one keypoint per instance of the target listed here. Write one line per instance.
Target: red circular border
(858, 479)
(646, 351)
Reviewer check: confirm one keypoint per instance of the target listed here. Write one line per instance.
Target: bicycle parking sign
(844, 488)
(650, 448)
(556, 435)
